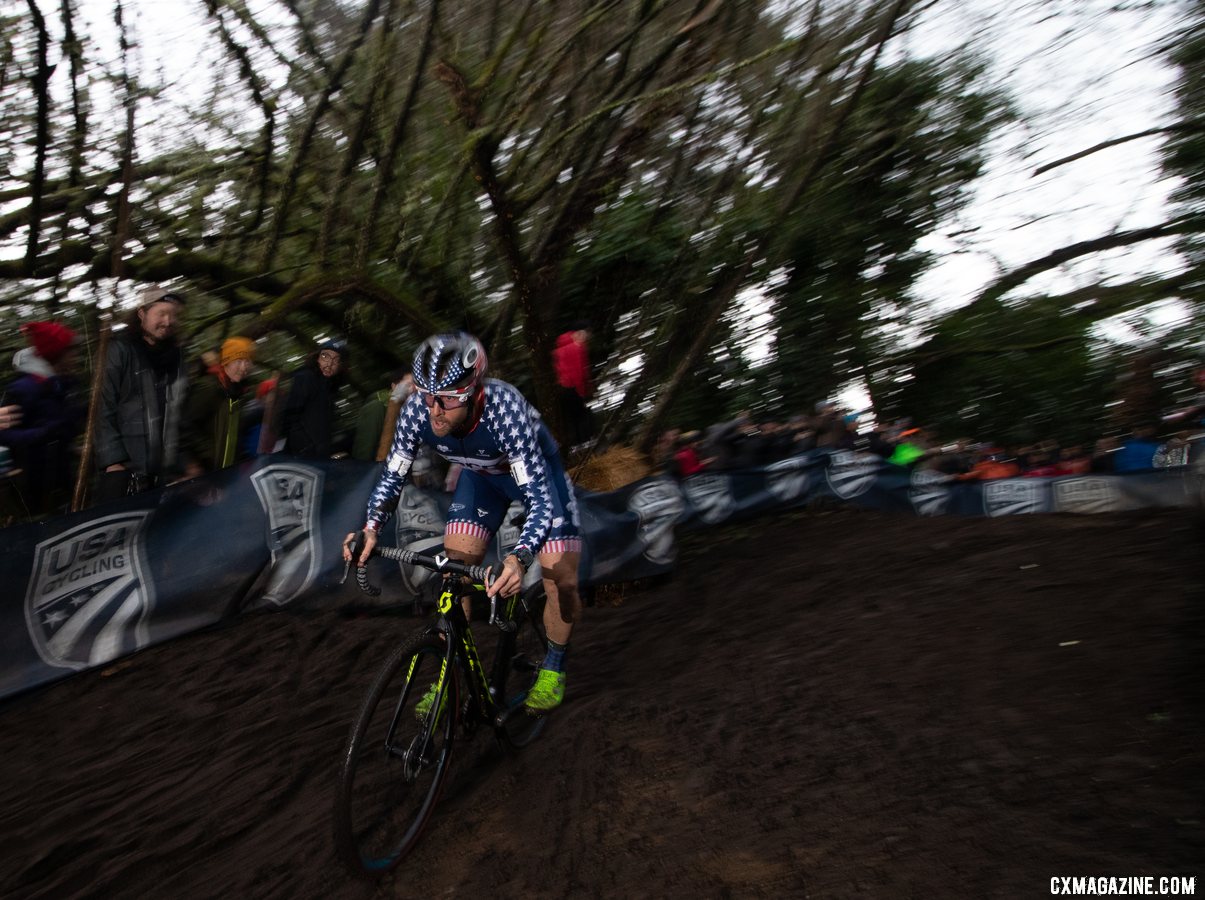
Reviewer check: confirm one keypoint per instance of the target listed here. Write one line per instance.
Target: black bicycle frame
(461, 650)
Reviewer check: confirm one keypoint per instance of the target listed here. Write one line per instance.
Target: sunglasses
(446, 399)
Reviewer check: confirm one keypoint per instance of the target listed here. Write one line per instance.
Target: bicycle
(396, 759)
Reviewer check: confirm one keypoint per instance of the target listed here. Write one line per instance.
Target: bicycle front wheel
(519, 657)
(397, 757)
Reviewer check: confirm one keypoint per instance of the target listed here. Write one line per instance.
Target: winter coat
(213, 421)
(308, 417)
(571, 362)
(134, 426)
(42, 445)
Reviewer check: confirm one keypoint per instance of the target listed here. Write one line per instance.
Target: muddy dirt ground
(826, 704)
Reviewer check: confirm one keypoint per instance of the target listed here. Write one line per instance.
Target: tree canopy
(386, 168)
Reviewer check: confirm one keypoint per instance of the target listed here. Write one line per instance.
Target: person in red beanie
(42, 442)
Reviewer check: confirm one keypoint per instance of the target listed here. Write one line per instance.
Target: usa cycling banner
(866, 480)
(89, 588)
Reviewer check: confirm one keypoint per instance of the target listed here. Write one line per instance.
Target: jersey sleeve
(383, 500)
(517, 425)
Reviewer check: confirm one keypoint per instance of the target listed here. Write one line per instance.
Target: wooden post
(392, 411)
(80, 495)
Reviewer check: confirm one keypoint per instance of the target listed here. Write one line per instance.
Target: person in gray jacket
(142, 393)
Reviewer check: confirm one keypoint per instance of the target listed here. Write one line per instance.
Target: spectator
(664, 450)
(1045, 461)
(747, 445)
(779, 441)
(308, 418)
(721, 441)
(214, 422)
(42, 433)
(260, 436)
(911, 448)
(803, 435)
(1075, 461)
(143, 387)
(370, 443)
(1103, 456)
(1191, 416)
(571, 363)
(953, 459)
(1137, 452)
(992, 463)
(686, 460)
(832, 430)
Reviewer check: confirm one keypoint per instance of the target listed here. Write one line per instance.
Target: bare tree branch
(41, 87)
(1175, 128)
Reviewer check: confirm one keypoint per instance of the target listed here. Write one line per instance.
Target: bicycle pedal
(506, 715)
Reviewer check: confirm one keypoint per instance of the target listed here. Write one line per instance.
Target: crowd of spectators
(745, 442)
(161, 417)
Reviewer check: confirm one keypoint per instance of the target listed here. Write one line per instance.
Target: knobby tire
(384, 797)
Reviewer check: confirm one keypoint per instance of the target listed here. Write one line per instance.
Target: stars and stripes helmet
(449, 364)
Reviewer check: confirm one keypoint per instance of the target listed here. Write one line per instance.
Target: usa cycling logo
(1013, 496)
(88, 597)
(658, 506)
(929, 492)
(289, 495)
(419, 527)
(711, 496)
(788, 479)
(1087, 495)
(852, 474)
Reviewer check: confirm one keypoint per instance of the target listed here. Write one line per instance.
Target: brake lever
(353, 550)
(500, 622)
(353, 547)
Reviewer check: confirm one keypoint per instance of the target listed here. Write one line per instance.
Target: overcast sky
(1080, 78)
(1082, 71)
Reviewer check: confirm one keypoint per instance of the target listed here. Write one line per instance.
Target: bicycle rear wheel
(526, 646)
(395, 761)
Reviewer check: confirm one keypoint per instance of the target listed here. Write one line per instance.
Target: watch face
(525, 557)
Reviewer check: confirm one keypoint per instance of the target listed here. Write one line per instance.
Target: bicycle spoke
(396, 760)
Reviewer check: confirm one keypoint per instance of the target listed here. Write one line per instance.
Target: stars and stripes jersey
(510, 441)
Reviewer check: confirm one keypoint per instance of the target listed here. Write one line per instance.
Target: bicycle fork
(417, 755)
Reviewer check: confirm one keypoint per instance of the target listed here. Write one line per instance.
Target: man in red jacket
(571, 362)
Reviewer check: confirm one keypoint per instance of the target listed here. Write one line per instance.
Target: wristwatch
(524, 556)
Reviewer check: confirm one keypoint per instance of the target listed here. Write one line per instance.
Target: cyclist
(506, 453)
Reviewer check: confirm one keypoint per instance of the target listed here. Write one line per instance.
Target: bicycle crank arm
(503, 718)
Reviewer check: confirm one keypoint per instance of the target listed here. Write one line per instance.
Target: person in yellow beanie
(213, 418)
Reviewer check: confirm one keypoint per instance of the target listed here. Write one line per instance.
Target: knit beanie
(237, 348)
(50, 340)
